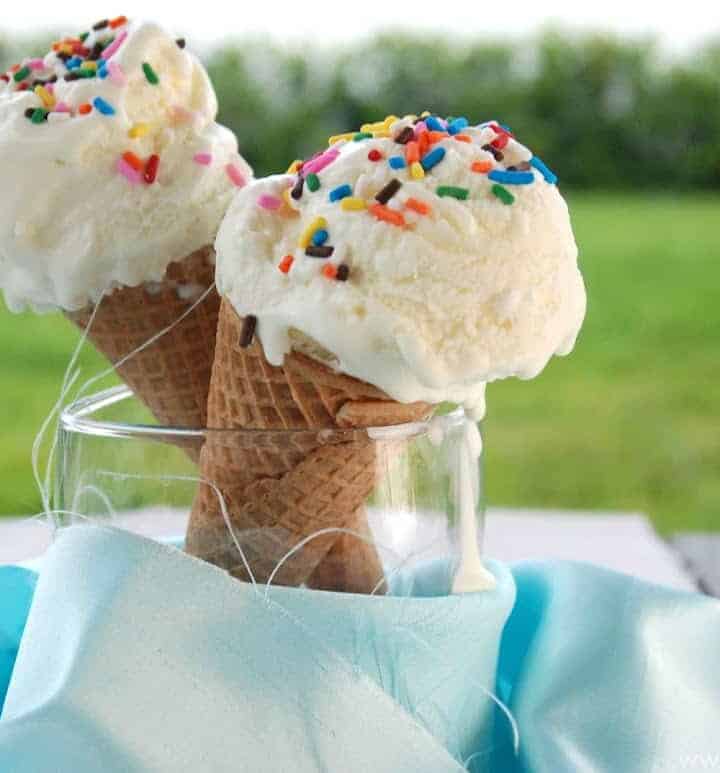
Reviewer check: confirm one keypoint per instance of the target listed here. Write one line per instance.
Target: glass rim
(77, 418)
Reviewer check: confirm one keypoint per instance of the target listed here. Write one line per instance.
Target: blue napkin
(137, 657)
(16, 591)
(121, 668)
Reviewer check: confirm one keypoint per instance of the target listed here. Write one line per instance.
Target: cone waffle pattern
(171, 376)
(279, 491)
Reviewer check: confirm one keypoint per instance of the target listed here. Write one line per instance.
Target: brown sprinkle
(248, 331)
(101, 24)
(297, 190)
(343, 272)
(384, 195)
(496, 153)
(314, 251)
(405, 136)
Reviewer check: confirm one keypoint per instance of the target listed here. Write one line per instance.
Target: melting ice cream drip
(471, 575)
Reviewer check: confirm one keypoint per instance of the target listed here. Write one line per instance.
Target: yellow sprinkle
(389, 121)
(379, 126)
(139, 130)
(416, 171)
(307, 234)
(338, 137)
(381, 133)
(425, 114)
(89, 64)
(47, 98)
(66, 48)
(353, 204)
(294, 166)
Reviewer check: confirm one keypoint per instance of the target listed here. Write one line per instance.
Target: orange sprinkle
(482, 166)
(434, 137)
(286, 263)
(118, 21)
(132, 160)
(463, 138)
(382, 212)
(330, 270)
(423, 143)
(85, 108)
(412, 152)
(417, 206)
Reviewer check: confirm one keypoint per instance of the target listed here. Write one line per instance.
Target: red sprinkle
(500, 141)
(375, 155)
(85, 108)
(329, 270)
(151, 168)
(118, 21)
(132, 160)
(286, 263)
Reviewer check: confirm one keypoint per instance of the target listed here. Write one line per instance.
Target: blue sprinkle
(102, 72)
(456, 126)
(340, 192)
(511, 178)
(103, 107)
(433, 123)
(397, 162)
(320, 237)
(548, 174)
(433, 158)
(73, 63)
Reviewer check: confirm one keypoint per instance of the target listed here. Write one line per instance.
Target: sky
(678, 27)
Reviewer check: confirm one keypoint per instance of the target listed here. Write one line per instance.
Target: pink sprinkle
(235, 175)
(318, 164)
(132, 175)
(182, 115)
(61, 107)
(113, 47)
(50, 87)
(203, 158)
(266, 201)
(420, 127)
(36, 64)
(116, 74)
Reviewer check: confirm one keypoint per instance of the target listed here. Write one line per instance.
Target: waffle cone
(280, 488)
(172, 375)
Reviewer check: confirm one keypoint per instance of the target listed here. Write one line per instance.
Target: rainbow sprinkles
(418, 153)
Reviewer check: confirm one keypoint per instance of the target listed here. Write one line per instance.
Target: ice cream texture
(422, 255)
(113, 165)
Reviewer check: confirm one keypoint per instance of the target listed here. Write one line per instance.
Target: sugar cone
(172, 375)
(278, 492)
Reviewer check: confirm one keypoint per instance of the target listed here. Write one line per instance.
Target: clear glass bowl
(352, 510)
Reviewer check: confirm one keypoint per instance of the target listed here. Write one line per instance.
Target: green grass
(628, 421)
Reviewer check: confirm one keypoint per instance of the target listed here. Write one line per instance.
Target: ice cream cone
(279, 492)
(172, 375)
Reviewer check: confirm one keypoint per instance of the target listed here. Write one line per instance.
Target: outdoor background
(632, 127)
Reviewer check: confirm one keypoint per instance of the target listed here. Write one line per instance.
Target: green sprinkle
(503, 194)
(86, 72)
(150, 74)
(39, 115)
(84, 36)
(313, 182)
(106, 43)
(451, 190)
(21, 74)
(362, 136)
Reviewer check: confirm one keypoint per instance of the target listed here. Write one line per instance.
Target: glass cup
(380, 510)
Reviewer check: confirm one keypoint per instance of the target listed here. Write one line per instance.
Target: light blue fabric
(138, 659)
(16, 592)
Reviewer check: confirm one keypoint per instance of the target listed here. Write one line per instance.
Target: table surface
(624, 542)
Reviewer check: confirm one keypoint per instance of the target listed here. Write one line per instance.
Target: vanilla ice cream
(113, 165)
(424, 256)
